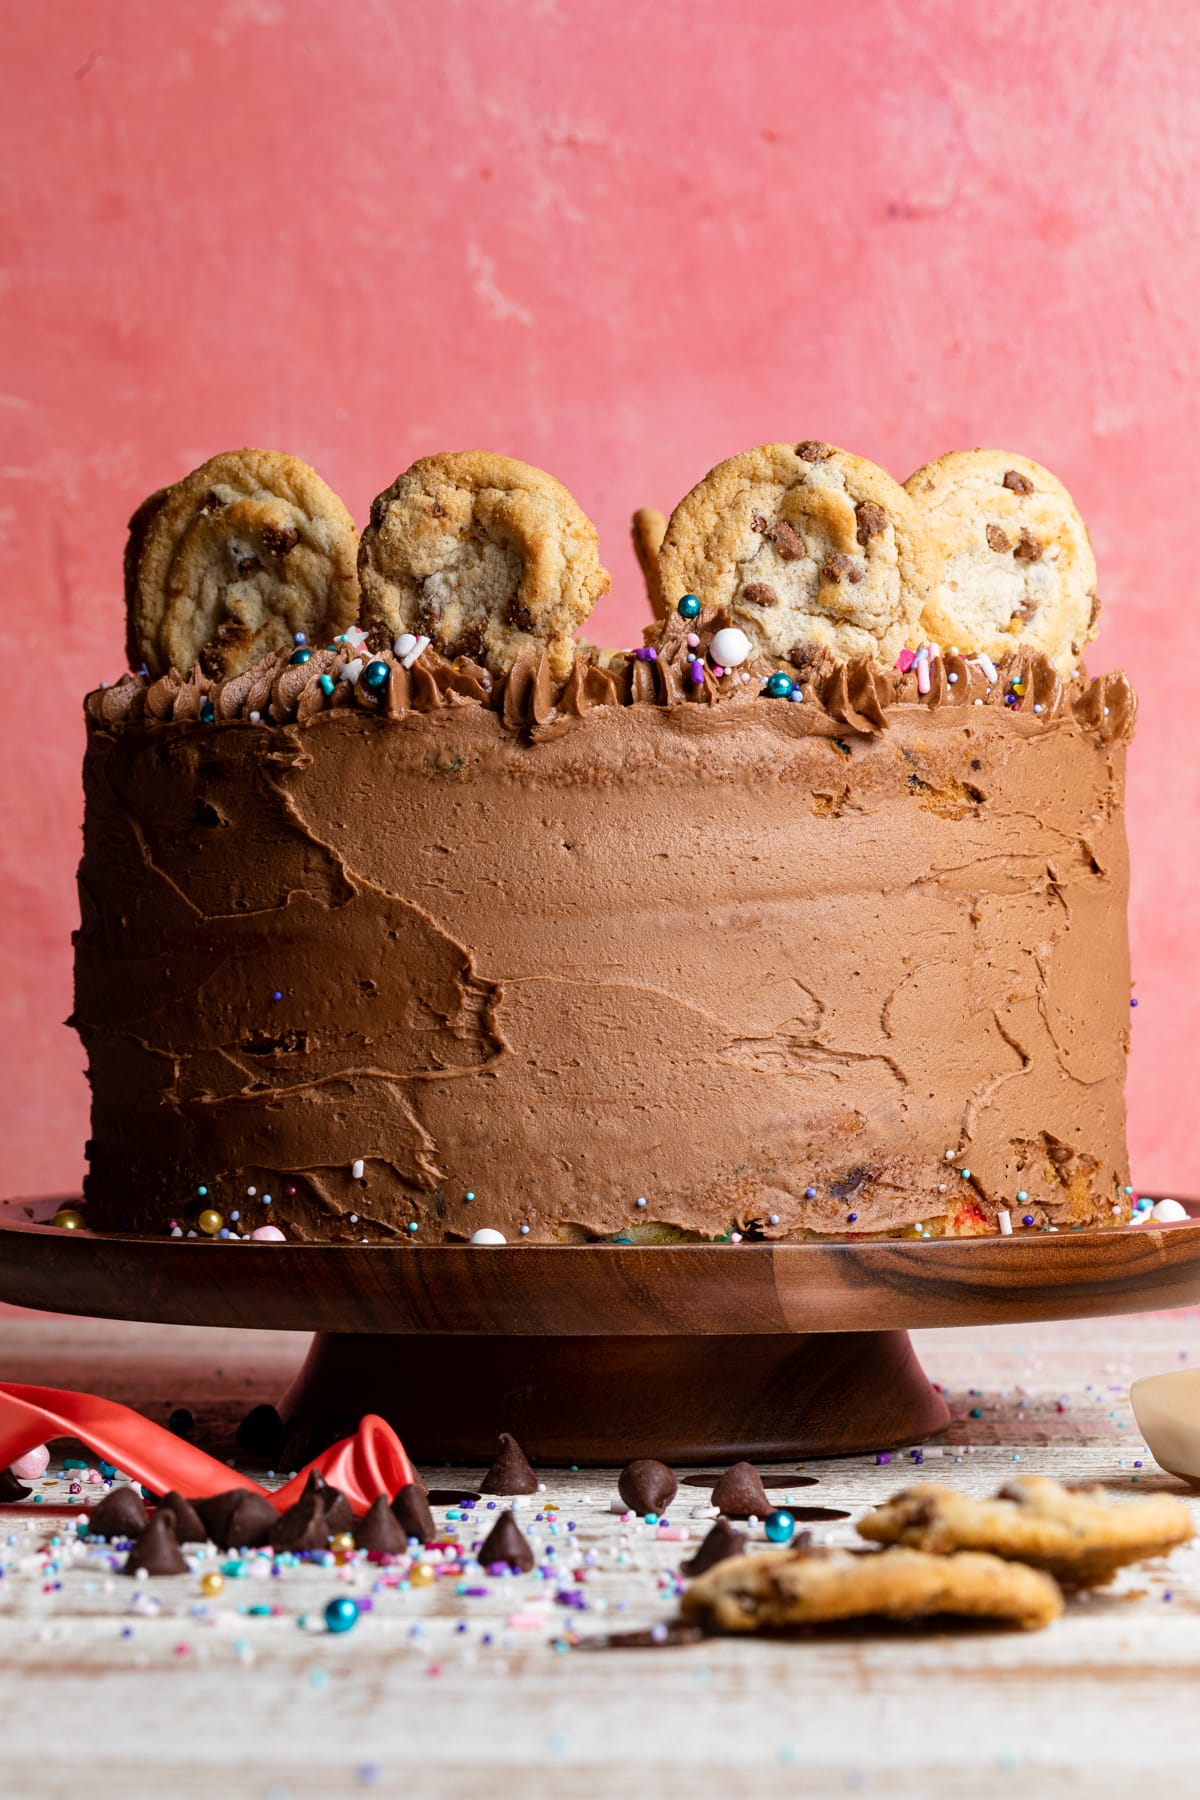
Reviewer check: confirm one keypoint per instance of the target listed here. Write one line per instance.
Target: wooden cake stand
(594, 1354)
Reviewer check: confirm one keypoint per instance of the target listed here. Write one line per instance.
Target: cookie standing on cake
(408, 917)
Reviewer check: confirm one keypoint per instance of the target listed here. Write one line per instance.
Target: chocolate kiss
(157, 1550)
(12, 1488)
(740, 1492)
(411, 1508)
(380, 1530)
(338, 1510)
(304, 1526)
(510, 1473)
(261, 1432)
(647, 1486)
(189, 1526)
(506, 1543)
(121, 1514)
(723, 1541)
(237, 1519)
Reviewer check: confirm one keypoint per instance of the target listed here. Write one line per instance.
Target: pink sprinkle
(525, 1621)
(905, 661)
(718, 671)
(434, 1669)
(691, 640)
(922, 675)
(32, 1464)
(735, 1237)
(673, 1534)
(268, 1234)
(183, 1649)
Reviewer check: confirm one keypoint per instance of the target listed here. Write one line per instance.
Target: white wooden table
(204, 1700)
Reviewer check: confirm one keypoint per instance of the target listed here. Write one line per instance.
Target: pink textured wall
(620, 241)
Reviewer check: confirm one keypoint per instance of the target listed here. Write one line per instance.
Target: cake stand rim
(753, 1289)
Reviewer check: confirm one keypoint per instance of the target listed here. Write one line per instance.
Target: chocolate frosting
(762, 962)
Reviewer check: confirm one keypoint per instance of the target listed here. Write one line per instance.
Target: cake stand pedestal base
(604, 1400)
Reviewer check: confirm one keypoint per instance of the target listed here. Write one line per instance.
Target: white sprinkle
(266, 1199)
(988, 666)
(1037, 709)
(952, 678)
(354, 1218)
(950, 1156)
(773, 1219)
(1004, 1220)
(485, 1235)
(354, 637)
(350, 671)
(418, 649)
(979, 703)
(404, 643)
(525, 1230)
(730, 647)
(357, 1167)
(252, 1192)
(640, 1201)
(255, 718)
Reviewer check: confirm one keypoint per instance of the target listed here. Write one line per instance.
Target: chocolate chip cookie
(1081, 1536)
(803, 545)
(485, 557)
(1014, 561)
(234, 560)
(817, 1585)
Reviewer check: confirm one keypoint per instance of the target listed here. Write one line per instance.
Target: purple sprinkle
(696, 671)
(884, 1456)
(647, 653)
(1137, 1465)
(850, 1218)
(277, 995)
(810, 1193)
(1133, 1003)
(478, 1593)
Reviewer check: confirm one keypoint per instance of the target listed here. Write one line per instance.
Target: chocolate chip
(213, 502)
(740, 1492)
(337, 1507)
(411, 1508)
(759, 594)
(237, 1519)
(470, 641)
(812, 450)
(998, 539)
(121, 1514)
(849, 1185)
(787, 541)
(510, 1473)
(1093, 615)
(647, 1486)
(757, 522)
(181, 1422)
(871, 520)
(380, 1530)
(1018, 484)
(518, 615)
(248, 565)
(304, 1526)
(12, 1489)
(839, 564)
(157, 1549)
(186, 1521)
(1028, 549)
(723, 1541)
(279, 539)
(506, 1543)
